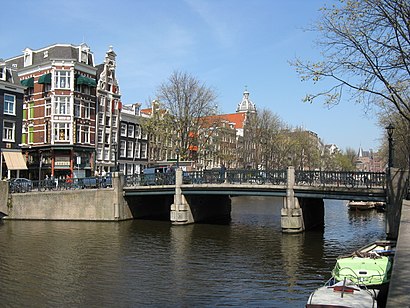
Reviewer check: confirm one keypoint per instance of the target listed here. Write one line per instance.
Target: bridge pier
(180, 210)
(291, 213)
(198, 208)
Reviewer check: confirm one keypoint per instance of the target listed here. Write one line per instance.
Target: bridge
(200, 195)
(203, 196)
(365, 186)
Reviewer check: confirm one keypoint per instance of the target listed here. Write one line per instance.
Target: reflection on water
(142, 263)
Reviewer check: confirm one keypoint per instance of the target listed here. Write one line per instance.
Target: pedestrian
(222, 173)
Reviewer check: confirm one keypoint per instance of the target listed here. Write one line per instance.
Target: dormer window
(28, 57)
(85, 55)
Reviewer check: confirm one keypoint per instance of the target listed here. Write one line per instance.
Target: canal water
(248, 263)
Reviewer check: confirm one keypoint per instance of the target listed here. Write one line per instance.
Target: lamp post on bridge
(390, 130)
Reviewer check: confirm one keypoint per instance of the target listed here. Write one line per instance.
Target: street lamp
(390, 130)
(114, 148)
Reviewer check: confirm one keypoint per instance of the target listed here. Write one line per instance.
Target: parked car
(20, 185)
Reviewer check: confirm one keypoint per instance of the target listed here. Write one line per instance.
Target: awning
(45, 79)
(29, 83)
(87, 81)
(14, 160)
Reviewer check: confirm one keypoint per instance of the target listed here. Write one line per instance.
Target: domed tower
(246, 104)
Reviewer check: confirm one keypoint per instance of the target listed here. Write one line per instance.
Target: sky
(229, 45)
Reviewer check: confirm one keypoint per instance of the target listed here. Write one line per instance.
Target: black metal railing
(214, 176)
(341, 178)
(53, 184)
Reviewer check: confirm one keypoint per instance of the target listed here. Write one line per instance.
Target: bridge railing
(149, 179)
(341, 179)
(52, 184)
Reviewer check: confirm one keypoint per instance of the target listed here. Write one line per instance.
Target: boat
(368, 266)
(1, 217)
(342, 294)
(361, 205)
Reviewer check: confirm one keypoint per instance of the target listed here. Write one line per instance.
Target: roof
(54, 52)
(237, 119)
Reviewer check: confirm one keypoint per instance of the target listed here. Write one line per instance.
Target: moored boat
(342, 294)
(361, 205)
(368, 266)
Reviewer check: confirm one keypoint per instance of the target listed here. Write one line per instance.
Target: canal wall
(105, 204)
(4, 192)
(399, 295)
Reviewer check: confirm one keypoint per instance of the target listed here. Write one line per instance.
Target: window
(62, 79)
(8, 131)
(129, 169)
(101, 118)
(31, 110)
(9, 104)
(137, 131)
(27, 58)
(100, 136)
(131, 130)
(47, 106)
(107, 137)
(130, 148)
(144, 150)
(123, 148)
(137, 150)
(62, 105)
(87, 134)
(114, 136)
(30, 134)
(123, 129)
(61, 131)
(107, 120)
(78, 133)
(77, 108)
(99, 154)
(46, 89)
(114, 121)
(144, 135)
(106, 154)
(87, 110)
(101, 102)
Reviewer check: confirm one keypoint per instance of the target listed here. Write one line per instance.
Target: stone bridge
(203, 195)
(189, 197)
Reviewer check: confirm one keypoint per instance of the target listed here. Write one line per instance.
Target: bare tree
(365, 48)
(187, 100)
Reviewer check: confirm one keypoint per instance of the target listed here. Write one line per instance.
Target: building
(133, 141)
(369, 161)
(215, 142)
(11, 111)
(108, 115)
(59, 108)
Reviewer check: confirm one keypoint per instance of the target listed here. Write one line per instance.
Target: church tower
(246, 104)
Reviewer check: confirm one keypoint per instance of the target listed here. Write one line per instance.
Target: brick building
(58, 126)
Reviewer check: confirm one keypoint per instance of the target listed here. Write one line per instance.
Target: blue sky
(227, 44)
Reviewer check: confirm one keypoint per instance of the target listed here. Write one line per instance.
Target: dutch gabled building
(108, 115)
(59, 109)
(133, 141)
